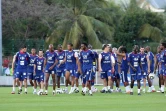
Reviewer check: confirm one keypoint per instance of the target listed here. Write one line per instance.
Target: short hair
(85, 44)
(23, 46)
(104, 46)
(163, 44)
(59, 45)
(123, 49)
(70, 44)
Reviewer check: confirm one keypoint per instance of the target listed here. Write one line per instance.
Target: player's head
(69, 46)
(135, 49)
(84, 46)
(147, 48)
(110, 48)
(24, 48)
(114, 49)
(41, 53)
(51, 47)
(89, 46)
(106, 48)
(158, 49)
(59, 47)
(163, 46)
(142, 49)
(33, 51)
(123, 49)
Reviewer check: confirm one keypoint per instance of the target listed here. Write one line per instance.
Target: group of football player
(113, 65)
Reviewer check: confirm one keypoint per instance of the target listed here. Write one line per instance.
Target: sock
(90, 92)
(46, 91)
(162, 88)
(153, 88)
(53, 91)
(117, 88)
(66, 88)
(34, 90)
(25, 89)
(139, 90)
(19, 87)
(85, 88)
(41, 90)
(105, 88)
(131, 89)
(92, 87)
(92, 83)
(82, 88)
(14, 89)
(77, 88)
(109, 87)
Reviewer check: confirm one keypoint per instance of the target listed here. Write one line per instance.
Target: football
(151, 75)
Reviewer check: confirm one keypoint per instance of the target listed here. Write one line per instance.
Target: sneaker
(139, 94)
(94, 90)
(103, 91)
(131, 93)
(66, 91)
(149, 91)
(45, 93)
(158, 90)
(13, 92)
(20, 91)
(25, 92)
(34, 92)
(143, 91)
(109, 91)
(83, 93)
(118, 90)
(53, 93)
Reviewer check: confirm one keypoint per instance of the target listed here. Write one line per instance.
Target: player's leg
(14, 84)
(118, 82)
(110, 82)
(139, 77)
(31, 79)
(59, 74)
(67, 80)
(72, 74)
(77, 82)
(54, 83)
(25, 81)
(19, 81)
(149, 84)
(162, 81)
(35, 86)
(133, 77)
(41, 81)
(125, 81)
(47, 75)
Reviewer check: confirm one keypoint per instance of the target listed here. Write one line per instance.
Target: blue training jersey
(116, 62)
(39, 62)
(71, 59)
(50, 58)
(163, 59)
(124, 64)
(22, 60)
(134, 60)
(60, 58)
(106, 64)
(31, 65)
(151, 58)
(144, 61)
(87, 59)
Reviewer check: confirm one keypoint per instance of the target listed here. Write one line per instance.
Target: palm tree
(92, 21)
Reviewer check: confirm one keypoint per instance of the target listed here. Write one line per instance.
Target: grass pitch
(77, 102)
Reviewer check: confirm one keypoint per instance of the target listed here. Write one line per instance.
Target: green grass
(77, 102)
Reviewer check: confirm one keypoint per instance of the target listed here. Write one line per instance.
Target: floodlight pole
(0, 37)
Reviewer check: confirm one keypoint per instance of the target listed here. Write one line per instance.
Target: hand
(113, 70)
(34, 73)
(134, 69)
(51, 68)
(100, 70)
(148, 71)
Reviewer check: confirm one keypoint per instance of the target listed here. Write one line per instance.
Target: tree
(92, 21)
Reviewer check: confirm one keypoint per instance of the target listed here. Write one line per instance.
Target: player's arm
(77, 62)
(120, 54)
(28, 58)
(129, 63)
(113, 63)
(99, 63)
(13, 63)
(55, 63)
(156, 64)
(34, 68)
(149, 62)
(140, 64)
